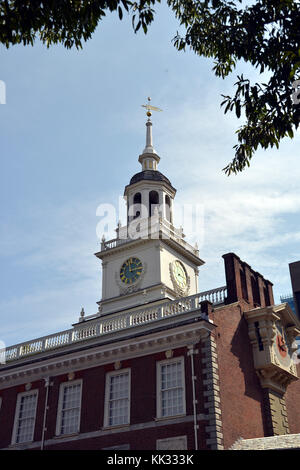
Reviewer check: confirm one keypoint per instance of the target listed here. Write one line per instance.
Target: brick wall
(145, 429)
(243, 401)
(240, 391)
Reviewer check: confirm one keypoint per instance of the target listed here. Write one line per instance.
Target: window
(168, 208)
(172, 443)
(69, 405)
(25, 417)
(153, 202)
(137, 201)
(117, 402)
(170, 388)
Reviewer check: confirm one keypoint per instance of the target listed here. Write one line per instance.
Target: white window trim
(60, 404)
(106, 401)
(158, 387)
(17, 412)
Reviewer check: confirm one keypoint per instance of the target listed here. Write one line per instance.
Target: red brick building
(160, 366)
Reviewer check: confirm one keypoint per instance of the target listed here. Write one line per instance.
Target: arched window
(168, 208)
(137, 200)
(153, 202)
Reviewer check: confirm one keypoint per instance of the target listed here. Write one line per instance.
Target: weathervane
(150, 108)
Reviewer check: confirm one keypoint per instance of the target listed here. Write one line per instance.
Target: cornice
(149, 184)
(117, 249)
(141, 241)
(97, 354)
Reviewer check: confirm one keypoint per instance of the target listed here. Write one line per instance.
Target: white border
(106, 400)
(60, 403)
(179, 290)
(158, 386)
(17, 412)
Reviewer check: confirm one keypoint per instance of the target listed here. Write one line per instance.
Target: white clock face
(180, 274)
(281, 346)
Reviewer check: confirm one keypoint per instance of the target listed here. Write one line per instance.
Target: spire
(149, 158)
(149, 145)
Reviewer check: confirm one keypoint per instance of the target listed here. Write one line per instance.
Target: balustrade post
(193, 303)
(72, 336)
(127, 321)
(160, 312)
(43, 344)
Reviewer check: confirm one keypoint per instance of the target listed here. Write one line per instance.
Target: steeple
(149, 191)
(149, 145)
(149, 158)
(151, 260)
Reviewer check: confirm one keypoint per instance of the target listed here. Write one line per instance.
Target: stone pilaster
(211, 393)
(275, 413)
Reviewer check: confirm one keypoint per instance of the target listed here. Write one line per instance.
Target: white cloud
(60, 250)
(254, 214)
(46, 311)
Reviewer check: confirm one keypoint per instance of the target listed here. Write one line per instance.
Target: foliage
(69, 22)
(265, 34)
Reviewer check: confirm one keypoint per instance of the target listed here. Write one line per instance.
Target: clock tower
(149, 260)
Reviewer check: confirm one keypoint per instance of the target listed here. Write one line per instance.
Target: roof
(150, 175)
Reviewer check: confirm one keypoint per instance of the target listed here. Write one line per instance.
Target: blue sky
(72, 129)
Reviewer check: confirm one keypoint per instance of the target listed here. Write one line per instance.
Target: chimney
(243, 283)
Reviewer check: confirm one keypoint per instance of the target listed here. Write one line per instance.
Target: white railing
(153, 227)
(112, 323)
(145, 316)
(215, 296)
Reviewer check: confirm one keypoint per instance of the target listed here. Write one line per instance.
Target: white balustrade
(111, 324)
(11, 354)
(56, 341)
(114, 324)
(30, 348)
(84, 333)
(152, 227)
(144, 317)
(179, 306)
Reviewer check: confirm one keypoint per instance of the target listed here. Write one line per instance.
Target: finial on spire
(149, 159)
(150, 108)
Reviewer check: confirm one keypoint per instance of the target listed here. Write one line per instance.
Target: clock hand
(282, 344)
